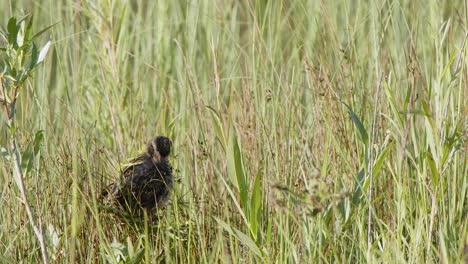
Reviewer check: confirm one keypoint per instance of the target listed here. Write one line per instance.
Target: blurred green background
(280, 111)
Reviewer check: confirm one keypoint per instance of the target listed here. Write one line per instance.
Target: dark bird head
(159, 148)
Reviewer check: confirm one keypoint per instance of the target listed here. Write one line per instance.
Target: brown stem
(4, 101)
(38, 231)
(18, 174)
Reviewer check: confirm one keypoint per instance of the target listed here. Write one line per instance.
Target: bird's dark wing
(150, 183)
(130, 166)
(162, 182)
(134, 167)
(144, 183)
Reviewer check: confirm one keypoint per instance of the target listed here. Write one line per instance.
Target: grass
(303, 131)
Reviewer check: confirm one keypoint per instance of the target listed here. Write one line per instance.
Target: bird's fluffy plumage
(147, 181)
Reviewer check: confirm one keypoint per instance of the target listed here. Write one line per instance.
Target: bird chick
(147, 181)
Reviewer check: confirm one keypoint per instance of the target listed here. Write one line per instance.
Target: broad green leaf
(12, 127)
(12, 31)
(414, 112)
(20, 35)
(431, 140)
(434, 170)
(38, 138)
(43, 52)
(407, 98)
(357, 122)
(236, 171)
(23, 19)
(255, 203)
(34, 57)
(243, 238)
(42, 31)
(27, 158)
(218, 126)
(22, 76)
(137, 257)
(224, 225)
(425, 107)
(234, 200)
(246, 240)
(393, 104)
(447, 67)
(358, 187)
(28, 32)
(120, 22)
(381, 159)
(344, 208)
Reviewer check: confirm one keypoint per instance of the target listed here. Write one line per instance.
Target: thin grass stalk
(370, 168)
(18, 174)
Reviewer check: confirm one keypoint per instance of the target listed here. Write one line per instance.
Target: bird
(147, 181)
